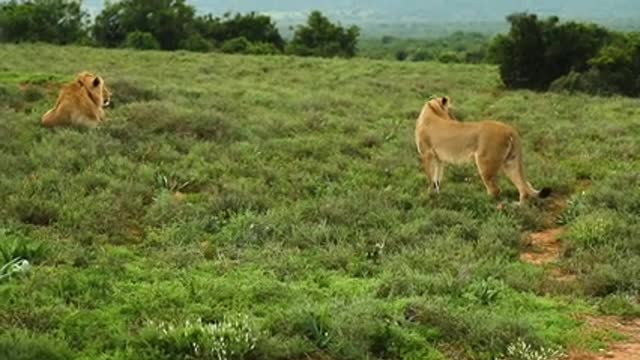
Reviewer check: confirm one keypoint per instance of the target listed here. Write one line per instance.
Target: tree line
(169, 25)
(538, 54)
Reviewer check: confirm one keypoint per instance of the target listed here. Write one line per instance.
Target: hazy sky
(421, 10)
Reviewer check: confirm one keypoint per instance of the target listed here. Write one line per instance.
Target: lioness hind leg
(488, 167)
(431, 166)
(513, 169)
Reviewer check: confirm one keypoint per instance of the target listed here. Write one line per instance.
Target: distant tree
(169, 21)
(320, 37)
(521, 52)
(253, 27)
(536, 52)
(52, 21)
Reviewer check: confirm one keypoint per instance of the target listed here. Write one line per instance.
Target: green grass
(287, 193)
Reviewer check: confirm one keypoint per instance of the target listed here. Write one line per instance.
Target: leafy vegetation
(52, 21)
(320, 37)
(537, 54)
(168, 25)
(458, 47)
(225, 199)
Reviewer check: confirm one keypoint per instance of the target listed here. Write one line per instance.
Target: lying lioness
(80, 103)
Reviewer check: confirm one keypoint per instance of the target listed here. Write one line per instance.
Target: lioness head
(106, 96)
(96, 88)
(441, 106)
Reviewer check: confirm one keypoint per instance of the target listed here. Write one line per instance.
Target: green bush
(320, 37)
(18, 246)
(195, 42)
(262, 48)
(520, 350)
(422, 55)
(230, 339)
(53, 21)
(448, 57)
(624, 305)
(141, 41)
(573, 82)
(22, 345)
(617, 66)
(238, 45)
(593, 230)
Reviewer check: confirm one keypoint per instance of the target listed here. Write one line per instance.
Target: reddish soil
(544, 247)
(628, 349)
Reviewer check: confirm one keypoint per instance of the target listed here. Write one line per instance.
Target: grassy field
(274, 208)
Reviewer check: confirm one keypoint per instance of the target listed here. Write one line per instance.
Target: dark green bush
(141, 41)
(546, 54)
(195, 42)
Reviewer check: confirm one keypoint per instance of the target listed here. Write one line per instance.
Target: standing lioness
(492, 145)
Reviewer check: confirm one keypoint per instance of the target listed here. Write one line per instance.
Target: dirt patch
(628, 349)
(561, 276)
(544, 247)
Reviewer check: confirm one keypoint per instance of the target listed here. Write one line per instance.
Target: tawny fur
(492, 145)
(80, 103)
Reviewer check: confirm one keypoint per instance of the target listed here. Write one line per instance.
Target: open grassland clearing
(282, 200)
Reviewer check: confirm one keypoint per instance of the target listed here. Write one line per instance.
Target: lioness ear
(96, 81)
(445, 101)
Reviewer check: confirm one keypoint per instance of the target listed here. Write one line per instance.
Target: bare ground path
(545, 249)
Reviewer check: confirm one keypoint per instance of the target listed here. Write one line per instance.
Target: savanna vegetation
(458, 47)
(246, 207)
(542, 54)
(169, 25)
